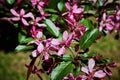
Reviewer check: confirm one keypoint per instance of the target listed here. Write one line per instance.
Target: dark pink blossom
(74, 13)
(91, 73)
(67, 38)
(73, 10)
(106, 22)
(79, 31)
(118, 15)
(21, 16)
(61, 51)
(71, 77)
(40, 4)
(36, 33)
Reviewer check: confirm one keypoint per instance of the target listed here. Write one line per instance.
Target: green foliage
(10, 1)
(61, 5)
(23, 48)
(87, 23)
(51, 27)
(88, 38)
(61, 70)
(67, 57)
(89, 54)
(23, 40)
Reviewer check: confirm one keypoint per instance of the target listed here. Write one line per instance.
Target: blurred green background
(12, 65)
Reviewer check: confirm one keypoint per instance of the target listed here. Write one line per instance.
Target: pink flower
(39, 4)
(106, 22)
(61, 51)
(36, 33)
(79, 32)
(118, 15)
(73, 11)
(71, 77)
(67, 39)
(91, 72)
(21, 16)
(39, 50)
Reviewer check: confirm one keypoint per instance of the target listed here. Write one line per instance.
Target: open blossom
(106, 22)
(21, 16)
(73, 10)
(39, 3)
(71, 77)
(117, 21)
(67, 39)
(36, 33)
(118, 15)
(74, 13)
(91, 73)
(35, 23)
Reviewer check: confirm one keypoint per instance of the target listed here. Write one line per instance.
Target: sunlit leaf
(61, 70)
(61, 5)
(10, 1)
(88, 38)
(51, 27)
(23, 48)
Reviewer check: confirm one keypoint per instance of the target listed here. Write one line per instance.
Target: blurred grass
(109, 48)
(12, 65)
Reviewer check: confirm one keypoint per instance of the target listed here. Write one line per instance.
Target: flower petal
(78, 11)
(71, 77)
(85, 70)
(25, 22)
(41, 25)
(55, 42)
(34, 2)
(65, 36)
(104, 16)
(68, 42)
(39, 35)
(46, 56)
(15, 19)
(108, 71)
(99, 74)
(67, 5)
(29, 15)
(74, 7)
(22, 12)
(14, 12)
(61, 51)
(83, 77)
(34, 53)
(40, 48)
(38, 19)
(91, 64)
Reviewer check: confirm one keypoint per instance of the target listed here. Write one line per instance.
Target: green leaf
(61, 70)
(67, 57)
(90, 54)
(88, 38)
(87, 23)
(22, 39)
(53, 17)
(10, 1)
(61, 5)
(100, 2)
(23, 48)
(51, 27)
(53, 3)
(50, 10)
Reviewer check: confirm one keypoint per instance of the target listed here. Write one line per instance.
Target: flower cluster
(91, 73)
(62, 32)
(110, 22)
